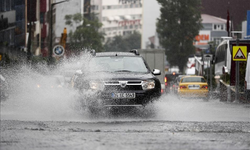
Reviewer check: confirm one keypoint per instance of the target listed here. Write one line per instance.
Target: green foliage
(179, 23)
(86, 35)
(120, 44)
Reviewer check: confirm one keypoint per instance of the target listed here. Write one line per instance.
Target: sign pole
(237, 82)
(239, 54)
(237, 76)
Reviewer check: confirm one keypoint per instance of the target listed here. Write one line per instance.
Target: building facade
(60, 11)
(7, 22)
(213, 29)
(21, 19)
(119, 17)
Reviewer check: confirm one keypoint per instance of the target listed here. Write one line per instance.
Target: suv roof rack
(135, 51)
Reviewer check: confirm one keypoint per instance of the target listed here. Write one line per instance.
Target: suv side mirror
(157, 72)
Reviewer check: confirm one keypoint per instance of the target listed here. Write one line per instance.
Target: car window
(112, 64)
(193, 79)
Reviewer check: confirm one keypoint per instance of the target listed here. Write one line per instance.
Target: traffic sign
(239, 53)
(208, 57)
(58, 50)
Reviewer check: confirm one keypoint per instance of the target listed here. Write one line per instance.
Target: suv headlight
(96, 85)
(148, 84)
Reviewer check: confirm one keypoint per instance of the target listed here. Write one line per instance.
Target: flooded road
(41, 117)
(63, 106)
(167, 124)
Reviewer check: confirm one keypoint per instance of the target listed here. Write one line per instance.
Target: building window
(2, 5)
(42, 17)
(94, 7)
(8, 5)
(219, 27)
(217, 40)
(12, 4)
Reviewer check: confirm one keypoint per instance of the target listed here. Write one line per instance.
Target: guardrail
(227, 93)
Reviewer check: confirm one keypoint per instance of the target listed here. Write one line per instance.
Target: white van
(247, 78)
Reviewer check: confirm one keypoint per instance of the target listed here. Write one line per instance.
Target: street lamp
(51, 29)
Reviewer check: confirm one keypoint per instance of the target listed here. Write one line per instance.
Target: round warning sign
(239, 53)
(58, 50)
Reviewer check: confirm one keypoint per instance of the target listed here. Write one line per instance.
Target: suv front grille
(123, 85)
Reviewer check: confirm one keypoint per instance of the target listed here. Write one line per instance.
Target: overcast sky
(151, 12)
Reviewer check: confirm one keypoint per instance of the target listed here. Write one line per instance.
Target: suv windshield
(118, 64)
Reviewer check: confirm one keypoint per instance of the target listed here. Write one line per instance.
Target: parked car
(114, 79)
(169, 81)
(194, 87)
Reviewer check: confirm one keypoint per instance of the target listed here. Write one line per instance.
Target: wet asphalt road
(167, 124)
(139, 135)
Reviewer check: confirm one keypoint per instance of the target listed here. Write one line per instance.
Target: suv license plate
(123, 95)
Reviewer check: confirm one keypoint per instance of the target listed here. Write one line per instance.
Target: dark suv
(117, 79)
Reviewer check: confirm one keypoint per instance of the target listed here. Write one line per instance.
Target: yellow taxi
(193, 86)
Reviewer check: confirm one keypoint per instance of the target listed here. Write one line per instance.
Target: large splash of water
(41, 93)
(32, 97)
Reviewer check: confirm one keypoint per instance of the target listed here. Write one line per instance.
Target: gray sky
(151, 12)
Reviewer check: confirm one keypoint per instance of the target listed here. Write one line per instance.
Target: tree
(121, 44)
(86, 35)
(179, 23)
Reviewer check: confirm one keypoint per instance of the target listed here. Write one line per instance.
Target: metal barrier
(227, 93)
(198, 66)
(223, 91)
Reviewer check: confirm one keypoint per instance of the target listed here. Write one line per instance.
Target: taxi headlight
(148, 84)
(96, 85)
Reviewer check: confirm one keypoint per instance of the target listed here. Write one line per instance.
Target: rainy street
(53, 121)
(125, 74)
